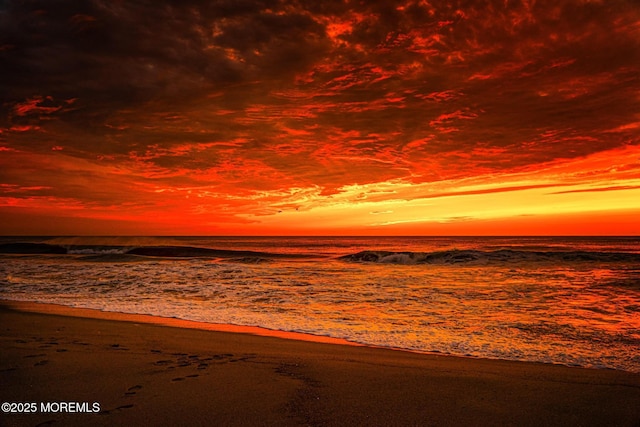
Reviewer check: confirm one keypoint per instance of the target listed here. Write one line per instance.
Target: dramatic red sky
(320, 117)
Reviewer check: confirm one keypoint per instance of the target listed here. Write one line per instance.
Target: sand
(147, 371)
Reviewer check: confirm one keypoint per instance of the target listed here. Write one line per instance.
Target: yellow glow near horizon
(559, 189)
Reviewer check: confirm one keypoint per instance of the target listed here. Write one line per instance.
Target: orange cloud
(307, 117)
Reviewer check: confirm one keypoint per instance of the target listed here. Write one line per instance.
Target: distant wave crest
(446, 257)
(97, 250)
(455, 257)
(243, 256)
(191, 252)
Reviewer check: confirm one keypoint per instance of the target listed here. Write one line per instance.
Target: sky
(306, 117)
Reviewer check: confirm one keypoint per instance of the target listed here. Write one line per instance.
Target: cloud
(611, 188)
(241, 97)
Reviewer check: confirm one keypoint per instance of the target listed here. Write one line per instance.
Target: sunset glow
(307, 117)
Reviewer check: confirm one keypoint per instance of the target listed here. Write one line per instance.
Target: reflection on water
(572, 312)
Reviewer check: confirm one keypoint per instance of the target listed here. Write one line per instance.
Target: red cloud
(33, 105)
(23, 128)
(443, 123)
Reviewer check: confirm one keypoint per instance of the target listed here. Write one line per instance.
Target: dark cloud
(264, 95)
(117, 55)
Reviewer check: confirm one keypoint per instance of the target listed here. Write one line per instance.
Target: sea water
(564, 300)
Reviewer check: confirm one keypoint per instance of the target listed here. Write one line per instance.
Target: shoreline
(142, 373)
(174, 322)
(92, 313)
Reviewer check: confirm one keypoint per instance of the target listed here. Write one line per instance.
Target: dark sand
(145, 374)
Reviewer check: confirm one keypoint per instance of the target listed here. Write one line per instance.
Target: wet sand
(142, 370)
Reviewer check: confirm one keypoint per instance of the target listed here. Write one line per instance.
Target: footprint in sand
(125, 407)
(118, 347)
(40, 363)
(106, 412)
(132, 390)
(220, 358)
(185, 377)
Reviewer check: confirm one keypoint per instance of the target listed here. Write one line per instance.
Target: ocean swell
(245, 256)
(456, 257)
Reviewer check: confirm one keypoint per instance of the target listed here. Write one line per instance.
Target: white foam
(483, 310)
(97, 251)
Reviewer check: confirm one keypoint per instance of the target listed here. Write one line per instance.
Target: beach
(567, 301)
(85, 367)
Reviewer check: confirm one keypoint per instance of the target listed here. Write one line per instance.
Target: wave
(110, 258)
(99, 250)
(451, 257)
(118, 252)
(186, 252)
(24, 248)
(193, 252)
(446, 257)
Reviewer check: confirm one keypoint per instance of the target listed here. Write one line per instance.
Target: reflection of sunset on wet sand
(401, 117)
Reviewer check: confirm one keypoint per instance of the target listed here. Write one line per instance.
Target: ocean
(564, 300)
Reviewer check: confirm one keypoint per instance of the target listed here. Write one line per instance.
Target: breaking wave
(244, 256)
(444, 257)
(457, 257)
